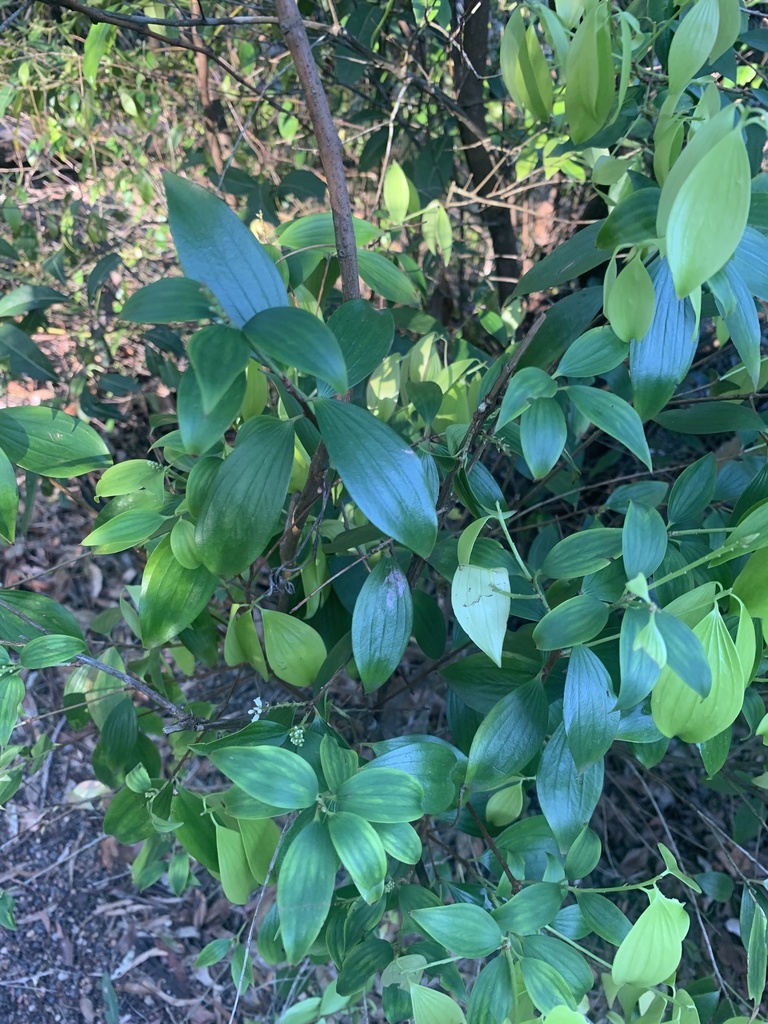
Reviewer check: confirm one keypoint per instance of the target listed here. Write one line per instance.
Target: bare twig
(328, 143)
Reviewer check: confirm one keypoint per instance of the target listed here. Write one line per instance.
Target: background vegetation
(421, 593)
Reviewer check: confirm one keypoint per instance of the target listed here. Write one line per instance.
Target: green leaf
(526, 385)
(590, 76)
(386, 279)
(532, 908)
(575, 621)
(563, 324)
(582, 553)
(44, 651)
(240, 511)
(218, 355)
(272, 774)
(590, 721)
(431, 1007)
(632, 222)
(509, 737)
(692, 43)
(643, 541)
(493, 993)
(480, 684)
(316, 229)
(433, 765)
(584, 854)
(697, 247)
(216, 248)
(236, 879)
(751, 259)
(365, 336)
(295, 651)
(26, 358)
(361, 852)
(171, 596)
(12, 692)
(545, 985)
(27, 297)
(382, 795)
(50, 442)
(127, 817)
(361, 965)
(400, 840)
(570, 963)
(397, 193)
(214, 952)
(650, 953)
(757, 956)
(750, 584)
(463, 928)
(481, 601)
(567, 798)
(593, 354)
(569, 260)
(613, 416)
(126, 530)
(296, 338)
(196, 833)
(692, 491)
(36, 616)
(382, 622)
(640, 662)
(684, 652)
(603, 917)
(98, 42)
(383, 475)
(9, 499)
(630, 301)
(168, 301)
(543, 432)
(305, 889)
(743, 324)
(199, 430)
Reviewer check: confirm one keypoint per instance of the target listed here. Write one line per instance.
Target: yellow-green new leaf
(708, 214)
(631, 301)
(590, 76)
(481, 601)
(236, 879)
(295, 651)
(397, 192)
(431, 1007)
(692, 43)
(651, 951)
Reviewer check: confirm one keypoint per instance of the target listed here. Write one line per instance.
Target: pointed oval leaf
(431, 1007)
(26, 358)
(384, 795)
(50, 442)
(45, 651)
(545, 985)
(271, 774)
(295, 651)
(570, 259)
(216, 248)
(125, 530)
(240, 511)
(582, 553)
(543, 433)
(532, 908)
(590, 722)
(27, 297)
(296, 338)
(386, 279)
(219, 354)
(463, 928)
(631, 301)
(567, 798)
(381, 623)
(575, 621)
(692, 491)
(382, 473)
(171, 596)
(201, 430)
(593, 354)
(305, 889)
(613, 416)
(651, 952)
(171, 300)
(527, 384)
(236, 879)
(692, 43)
(509, 736)
(743, 324)
(397, 193)
(481, 602)
(643, 541)
(9, 499)
(633, 221)
(361, 852)
(365, 336)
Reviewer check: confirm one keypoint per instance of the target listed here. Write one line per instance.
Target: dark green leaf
(711, 418)
(365, 336)
(493, 993)
(632, 221)
(603, 917)
(590, 721)
(168, 301)
(751, 260)
(463, 928)
(240, 511)
(563, 324)
(28, 297)
(305, 888)
(568, 961)
(685, 654)
(272, 774)
(569, 260)
(509, 737)
(382, 795)
(428, 624)
(50, 442)
(639, 671)
(196, 833)
(171, 596)
(386, 279)
(644, 541)
(582, 553)
(593, 354)
(9, 501)
(566, 797)
(200, 431)
(362, 964)
(26, 358)
(431, 764)
(692, 491)
(575, 621)
(526, 385)
(545, 985)
(382, 473)
(613, 416)
(127, 817)
(37, 615)
(216, 248)
(743, 324)
(381, 623)
(534, 907)
(481, 684)
(543, 433)
(218, 355)
(294, 337)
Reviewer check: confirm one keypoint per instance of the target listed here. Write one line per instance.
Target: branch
(486, 408)
(139, 21)
(328, 143)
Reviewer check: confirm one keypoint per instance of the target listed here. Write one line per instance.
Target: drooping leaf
(546, 986)
(295, 651)
(201, 430)
(25, 357)
(692, 491)
(593, 354)
(590, 76)
(216, 248)
(692, 43)
(294, 337)
(240, 511)
(397, 193)
(272, 774)
(305, 889)
(386, 279)
(570, 259)
(631, 222)
(9, 499)
(219, 354)
(381, 623)
(651, 951)
(630, 301)
(171, 596)
(742, 323)
(50, 442)
(526, 385)
(582, 553)
(382, 473)
(644, 541)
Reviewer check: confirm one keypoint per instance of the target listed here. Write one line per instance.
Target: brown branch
(210, 118)
(486, 408)
(328, 143)
(140, 21)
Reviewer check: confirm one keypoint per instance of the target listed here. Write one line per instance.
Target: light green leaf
(361, 852)
(97, 43)
(9, 499)
(509, 737)
(216, 248)
(397, 193)
(45, 651)
(240, 511)
(692, 43)
(651, 952)
(613, 416)
(168, 301)
(432, 1007)
(481, 602)
(125, 530)
(545, 985)
(273, 775)
(305, 889)
(171, 596)
(295, 338)
(382, 473)
(593, 354)
(295, 651)
(382, 795)
(382, 622)
(12, 691)
(630, 301)
(532, 908)
(317, 229)
(463, 928)
(50, 442)
(386, 279)
(590, 76)
(236, 879)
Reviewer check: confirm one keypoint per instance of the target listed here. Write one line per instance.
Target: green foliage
(339, 477)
